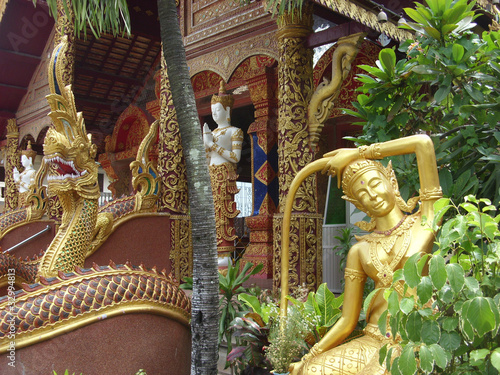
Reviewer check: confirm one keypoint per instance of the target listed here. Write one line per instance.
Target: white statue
(25, 178)
(223, 149)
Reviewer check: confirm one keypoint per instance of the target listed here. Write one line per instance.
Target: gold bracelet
(370, 152)
(430, 194)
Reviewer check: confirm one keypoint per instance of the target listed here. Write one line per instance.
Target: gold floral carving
(181, 253)
(223, 178)
(224, 61)
(294, 93)
(171, 166)
(306, 262)
(367, 18)
(11, 161)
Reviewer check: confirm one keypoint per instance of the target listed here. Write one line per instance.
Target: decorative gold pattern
(323, 99)
(294, 92)
(224, 61)
(430, 194)
(11, 161)
(353, 275)
(181, 253)
(306, 261)
(65, 27)
(171, 165)
(223, 179)
(366, 17)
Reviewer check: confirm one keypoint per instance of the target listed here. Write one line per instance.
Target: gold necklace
(386, 270)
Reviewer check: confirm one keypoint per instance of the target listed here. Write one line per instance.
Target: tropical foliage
(231, 285)
(451, 325)
(448, 86)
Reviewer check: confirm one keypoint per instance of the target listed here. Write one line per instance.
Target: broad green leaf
(382, 323)
(406, 305)
(251, 301)
(450, 323)
(414, 326)
(478, 356)
(458, 52)
(410, 271)
(387, 58)
(455, 276)
(426, 359)
(450, 341)
(431, 332)
(442, 93)
(471, 283)
(439, 355)
(495, 358)
(437, 271)
(393, 303)
(424, 290)
(480, 315)
(325, 298)
(407, 363)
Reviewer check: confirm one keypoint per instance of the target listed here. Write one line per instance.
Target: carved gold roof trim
(367, 18)
(3, 5)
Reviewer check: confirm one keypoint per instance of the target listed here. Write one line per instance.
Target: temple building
(275, 68)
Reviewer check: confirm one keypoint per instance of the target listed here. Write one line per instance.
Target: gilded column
(295, 86)
(173, 193)
(262, 84)
(11, 161)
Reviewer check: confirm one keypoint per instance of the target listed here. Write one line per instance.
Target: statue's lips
(62, 169)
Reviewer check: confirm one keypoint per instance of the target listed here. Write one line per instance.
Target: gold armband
(370, 152)
(430, 194)
(353, 275)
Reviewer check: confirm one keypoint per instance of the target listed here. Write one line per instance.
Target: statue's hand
(208, 138)
(339, 160)
(16, 173)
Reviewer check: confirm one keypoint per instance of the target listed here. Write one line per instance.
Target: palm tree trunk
(204, 322)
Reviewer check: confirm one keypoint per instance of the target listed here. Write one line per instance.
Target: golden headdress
(29, 152)
(356, 169)
(227, 100)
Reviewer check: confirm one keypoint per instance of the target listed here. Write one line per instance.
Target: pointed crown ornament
(29, 152)
(227, 100)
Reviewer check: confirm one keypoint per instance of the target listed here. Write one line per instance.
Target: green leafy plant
(451, 324)
(251, 333)
(449, 86)
(65, 372)
(286, 337)
(231, 285)
(321, 310)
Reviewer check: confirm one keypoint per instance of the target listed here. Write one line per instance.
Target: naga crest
(68, 149)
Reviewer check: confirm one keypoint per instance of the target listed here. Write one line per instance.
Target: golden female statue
(395, 236)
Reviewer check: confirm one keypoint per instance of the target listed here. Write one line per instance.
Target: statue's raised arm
(396, 232)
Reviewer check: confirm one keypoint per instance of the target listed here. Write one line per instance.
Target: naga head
(68, 149)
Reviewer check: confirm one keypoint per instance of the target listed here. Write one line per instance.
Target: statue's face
(219, 114)
(25, 161)
(375, 193)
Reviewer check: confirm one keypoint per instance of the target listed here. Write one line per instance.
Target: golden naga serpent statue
(64, 296)
(322, 101)
(395, 234)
